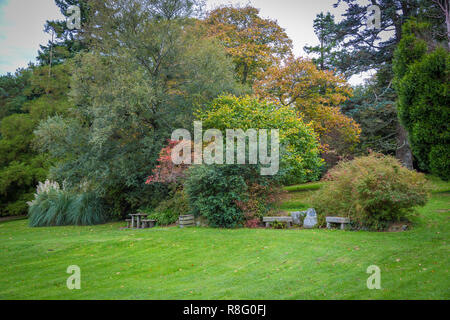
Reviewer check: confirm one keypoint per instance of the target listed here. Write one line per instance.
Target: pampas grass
(55, 207)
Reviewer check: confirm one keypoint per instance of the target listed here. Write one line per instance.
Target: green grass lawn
(205, 263)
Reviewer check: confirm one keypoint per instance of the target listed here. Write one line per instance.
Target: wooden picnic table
(136, 217)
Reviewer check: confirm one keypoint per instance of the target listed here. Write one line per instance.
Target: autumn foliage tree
(317, 95)
(254, 43)
(167, 171)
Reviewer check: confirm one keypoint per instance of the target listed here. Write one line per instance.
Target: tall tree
(422, 80)
(325, 29)
(317, 96)
(65, 42)
(374, 109)
(146, 72)
(254, 43)
(364, 48)
(29, 98)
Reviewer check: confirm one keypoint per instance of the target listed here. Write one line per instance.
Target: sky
(22, 25)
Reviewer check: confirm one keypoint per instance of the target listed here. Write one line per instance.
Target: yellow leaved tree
(254, 43)
(316, 95)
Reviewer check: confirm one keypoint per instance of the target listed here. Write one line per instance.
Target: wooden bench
(128, 223)
(148, 223)
(268, 220)
(337, 220)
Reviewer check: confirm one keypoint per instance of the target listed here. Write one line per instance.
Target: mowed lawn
(206, 263)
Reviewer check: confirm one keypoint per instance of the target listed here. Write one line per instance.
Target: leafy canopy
(254, 43)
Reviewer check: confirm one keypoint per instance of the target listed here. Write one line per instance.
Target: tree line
(100, 103)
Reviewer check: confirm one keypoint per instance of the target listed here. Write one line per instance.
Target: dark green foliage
(65, 43)
(423, 83)
(374, 109)
(60, 207)
(213, 192)
(230, 196)
(12, 92)
(325, 29)
(362, 48)
(168, 211)
(86, 209)
(26, 98)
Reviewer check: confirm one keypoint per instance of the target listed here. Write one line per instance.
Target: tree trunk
(245, 74)
(403, 152)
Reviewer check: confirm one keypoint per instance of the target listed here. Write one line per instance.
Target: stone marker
(310, 219)
(296, 215)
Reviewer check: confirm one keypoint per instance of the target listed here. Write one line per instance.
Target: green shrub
(55, 207)
(299, 148)
(373, 191)
(168, 211)
(230, 196)
(279, 225)
(213, 192)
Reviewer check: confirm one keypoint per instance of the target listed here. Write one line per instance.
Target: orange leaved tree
(253, 43)
(317, 95)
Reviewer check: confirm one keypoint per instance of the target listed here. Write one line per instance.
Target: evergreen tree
(325, 29)
(65, 42)
(364, 49)
(422, 78)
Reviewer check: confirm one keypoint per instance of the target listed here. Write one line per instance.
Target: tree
(374, 109)
(444, 7)
(299, 153)
(65, 42)
(21, 166)
(325, 30)
(12, 91)
(363, 49)
(145, 74)
(254, 43)
(422, 83)
(317, 96)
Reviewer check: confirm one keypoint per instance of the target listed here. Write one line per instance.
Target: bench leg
(328, 225)
(128, 224)
(267, 225)
(342, 226)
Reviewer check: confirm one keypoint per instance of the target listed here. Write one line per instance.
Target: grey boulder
(310, 219)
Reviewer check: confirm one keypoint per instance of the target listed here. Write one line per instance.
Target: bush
(373, 191)
(299, 148)
(230, 195)
(213, 191)
(168, 211)
(259, 201)
(55, 207)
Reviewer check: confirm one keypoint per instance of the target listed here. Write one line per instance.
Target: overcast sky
(22, 25)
